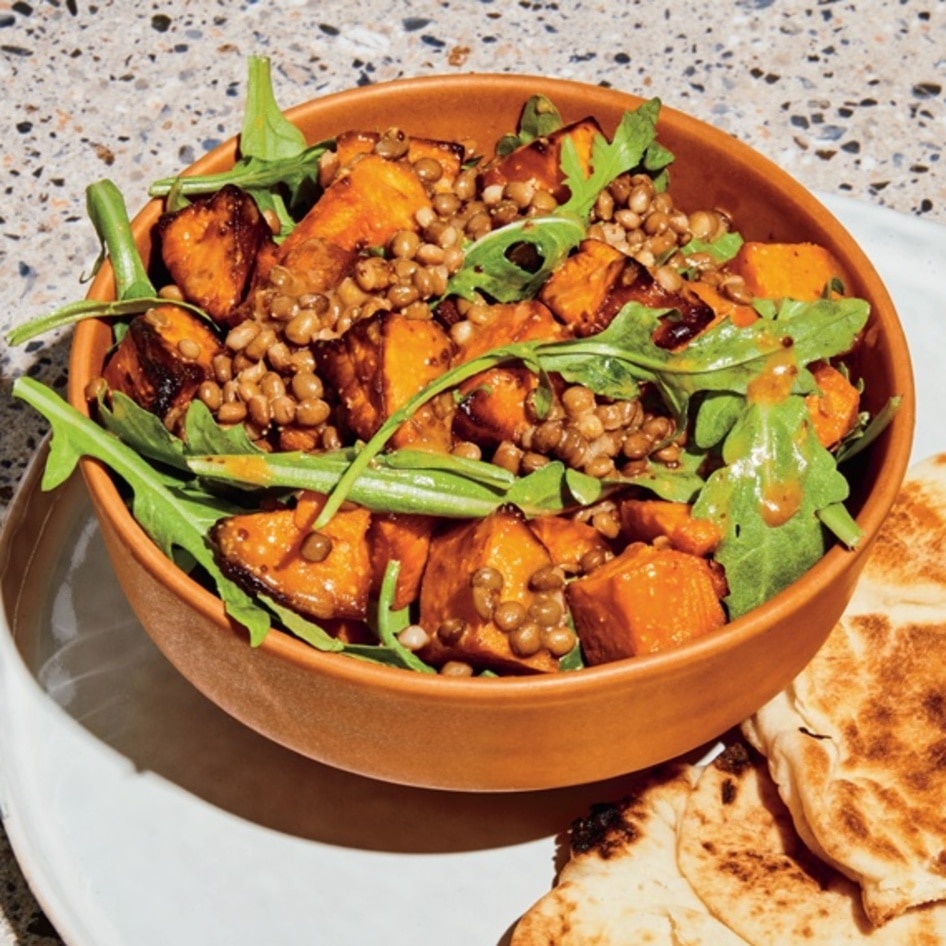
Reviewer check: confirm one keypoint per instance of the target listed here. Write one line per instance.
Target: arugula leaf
(539, 118)
(728, 357)
(388, 623)
(721, 250)
(718, 411)
(275, 165)
(74, 312)
(489, 266)
(410, 481)
(141, 430)
(681, 484)
(169, 513)
(766, 499)
(380, 487)
(867, 430)
(629, 146)
(109, 215)
(202, 433)
(306, 630)
(266, 134)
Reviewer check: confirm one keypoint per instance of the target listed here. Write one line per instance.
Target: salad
(468, 412)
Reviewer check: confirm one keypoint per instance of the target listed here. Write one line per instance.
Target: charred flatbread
(621, 885)
(708, 856)
(857, 743)
(738, 850)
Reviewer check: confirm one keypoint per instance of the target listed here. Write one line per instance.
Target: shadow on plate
(83, 646)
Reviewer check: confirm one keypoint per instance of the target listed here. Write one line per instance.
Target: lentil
(525, 640)
(413, 637)
(451, 630)
(559, 641)
(508, 615)
(456, 668)
(316, 547)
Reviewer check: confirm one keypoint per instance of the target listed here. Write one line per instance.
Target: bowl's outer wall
(513, 734)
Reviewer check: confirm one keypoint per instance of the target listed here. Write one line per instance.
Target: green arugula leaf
(134, 289)
(109, 215)
(203, 435)
(173, 516)
(489, 266)
(728, 357)
(141, 430)
(275, 165)
(388, 623)
(631, 142)
(721, 250)
(718, 411)
(539, 119)
(381, 487)
(74, 312)
(766, 500)
(306, 630)
(266, 134)
(681, 484)
(867, 430)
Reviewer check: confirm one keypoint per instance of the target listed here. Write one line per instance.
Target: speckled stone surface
(848, 97)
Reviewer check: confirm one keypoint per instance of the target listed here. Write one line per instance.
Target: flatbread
(621, 885)
(707, 856)
(857, 743)
(739, 851)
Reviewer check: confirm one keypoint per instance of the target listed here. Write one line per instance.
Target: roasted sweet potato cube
(834, 410)
(364, 206)
(494, 406)
(403, 538)
(162, 360)
(690, 315)
(263, 553)
(350, 145)
(210, 246)
(739, 313)
(540, 161)
(509, 322)
(317, 265)
(643, 520)
(577, 291)
(448, 154)
(785, 270)
(449, 609)
(568, 540)
(378, 365)
(644, 600)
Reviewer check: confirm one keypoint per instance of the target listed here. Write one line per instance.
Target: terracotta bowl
(536, 733)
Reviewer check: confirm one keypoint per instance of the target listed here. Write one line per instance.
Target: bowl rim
(512, 688)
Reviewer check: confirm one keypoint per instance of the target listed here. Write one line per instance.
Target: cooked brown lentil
(316, 547)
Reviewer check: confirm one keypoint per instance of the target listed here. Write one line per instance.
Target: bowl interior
(711, 170)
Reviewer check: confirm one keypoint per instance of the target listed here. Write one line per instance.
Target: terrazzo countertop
(848, 97)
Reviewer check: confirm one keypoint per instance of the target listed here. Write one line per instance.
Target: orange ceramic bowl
(541, 732)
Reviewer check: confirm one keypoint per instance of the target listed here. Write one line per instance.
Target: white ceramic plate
(143, 814)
